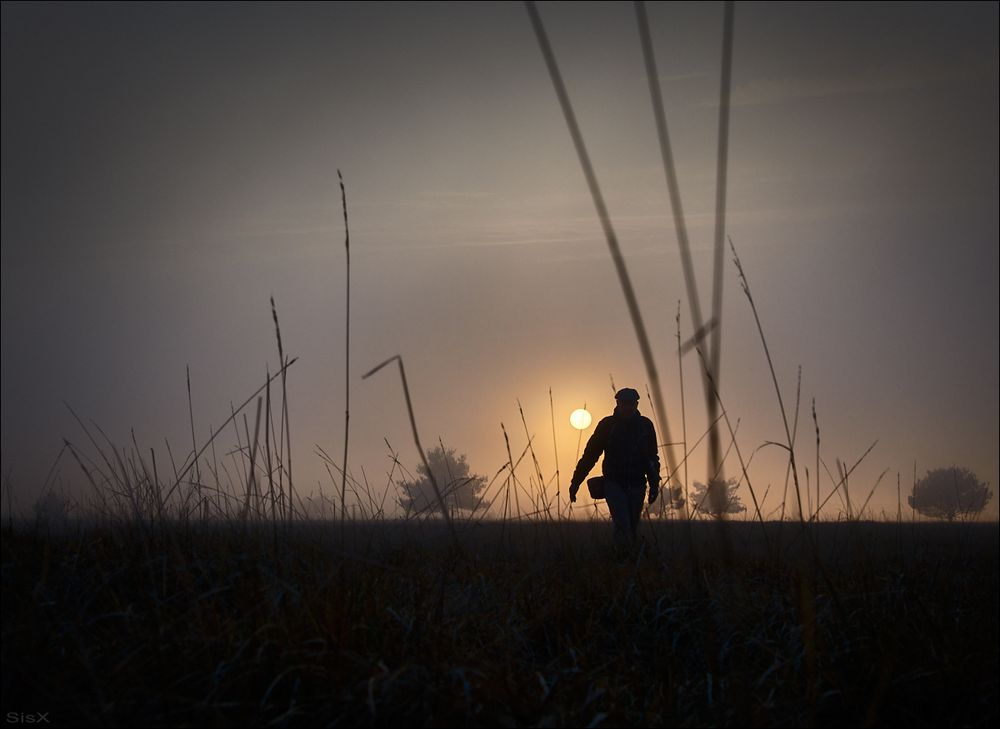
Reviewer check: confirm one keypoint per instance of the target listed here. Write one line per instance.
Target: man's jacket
(629, 448)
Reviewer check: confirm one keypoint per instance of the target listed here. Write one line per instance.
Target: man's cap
(627, 393)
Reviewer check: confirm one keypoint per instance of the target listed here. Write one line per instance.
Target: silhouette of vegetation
(674, 496)
(950, 493)
(701, 497)
(460, 488)
(52, 509)
(538, 624)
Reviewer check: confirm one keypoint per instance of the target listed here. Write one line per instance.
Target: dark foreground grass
(538, 625)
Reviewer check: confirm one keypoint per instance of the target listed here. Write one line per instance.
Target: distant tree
(946, 493)
(676, 496)
(702, 498)
(460, 489)
(671, 498)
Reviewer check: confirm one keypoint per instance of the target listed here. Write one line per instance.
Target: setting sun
(580, 419)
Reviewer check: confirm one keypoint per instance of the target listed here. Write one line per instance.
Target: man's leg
(636, 498)
(618, 505)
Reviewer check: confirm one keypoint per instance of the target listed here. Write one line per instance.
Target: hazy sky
(167, 168)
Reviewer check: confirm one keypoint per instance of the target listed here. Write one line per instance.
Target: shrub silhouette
(459, 488)
(701, 497)
(946, 493)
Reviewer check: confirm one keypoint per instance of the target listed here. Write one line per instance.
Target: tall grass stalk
(899, 501)
(659, 446)
(416, 439)
(555, 453)
(838, 483)
(680, 375)
(285, 422)
(347, 349)
(795, 431)
(816, 424)
(239, 464)
(842, 472)
(609, 232)
(534, 459)
(268, 426)
(180, 476)
(694, 446)
(215, 464)
(194, 442)
(872, 493)
(732, 432)
(722, 159)
(579, 438)
(774, 378)
(252, 491)
(666, 153)
(663, 135)
(513, 474)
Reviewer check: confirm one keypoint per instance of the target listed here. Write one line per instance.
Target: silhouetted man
(628, 442)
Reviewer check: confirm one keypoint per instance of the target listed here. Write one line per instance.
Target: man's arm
(652, 463)
(652, 455)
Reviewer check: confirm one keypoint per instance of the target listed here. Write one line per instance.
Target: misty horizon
(167, 169)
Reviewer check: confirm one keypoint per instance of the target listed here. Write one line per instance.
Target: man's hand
(654, 491)
(573, 488)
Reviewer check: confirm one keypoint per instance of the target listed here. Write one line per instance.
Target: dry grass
(195, 597)
(535, 625)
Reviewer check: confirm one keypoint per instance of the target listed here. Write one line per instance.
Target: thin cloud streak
(879, 80)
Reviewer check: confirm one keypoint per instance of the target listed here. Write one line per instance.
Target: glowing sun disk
(580, 419)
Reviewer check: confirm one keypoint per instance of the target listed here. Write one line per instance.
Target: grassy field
(202, 597)
(539, 624)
